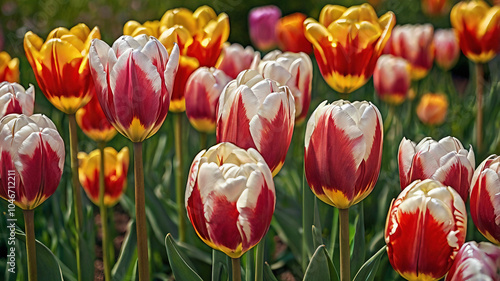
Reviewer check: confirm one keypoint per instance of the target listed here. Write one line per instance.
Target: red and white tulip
(234, 59)
(447, 49)
(476, 261)
(134, 80)
(15, 99)
(446, 161)
(392, 79)
(425, 228)
(485, 198)
(293, 70)
(257, 113)
(230, 198)
(31, 159)
(343, 151)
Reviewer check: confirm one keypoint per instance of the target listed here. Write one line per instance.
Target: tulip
(230, 198)
(32, 148)
(134, 80)
(290, 34)
(432, 108)
(343, 151)
(447, 50)
(256, 113)
(203, 89)
(478, 28)
(484, 196)
(415, 44)
(93, 122)
(262, 22)
(435, 7)
(9, 68)
(392, 79)
(425, 228)
(115, 171)
(476, 261)
(293, 70)
(15, 99)
(149, 28)
(234, 59)
(347, 43)
(61, 65)
(446, 161)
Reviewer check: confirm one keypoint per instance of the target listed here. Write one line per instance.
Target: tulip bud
(93, 122)
(392, 79)
(425, 228)
(343, 151)
(31, 157)
(476, 262)
(415, 44)
(293, 70)
(134, 81)
(14, 99)
(203, 89)
(478, 29)
(432, 109)
(290, 34)
(446, 161)
(230, 198)
(61, 65)
(447, 50)
(484, 197)
(262, 23)
(234, 59)
(9, 68)
(115, 174)
(256, 113)
(347, 43)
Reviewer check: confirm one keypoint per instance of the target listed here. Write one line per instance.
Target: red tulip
(262, 23)
(15, 99)
(392, 79)
(425, 228)
(290, 34)
(234, 59)
(447, 49)
(256, 113)
(476, 262)
(31, 159)
(343, 151)
(485, 198)
(203, 89)
(230, 198)
(93, 122)
(134, 81)
(446, 161)
(415, 44)
(293, 70)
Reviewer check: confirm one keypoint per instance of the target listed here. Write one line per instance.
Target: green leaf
(221, 266)
(268, 273)
(369, 269)
(287, 226)
(124, 267)
(358, 245)
(46, 263)
(181, 269)
(316, 234)
(321, 267)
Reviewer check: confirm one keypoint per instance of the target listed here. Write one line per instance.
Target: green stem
(345, 270)
(250, 265)
(77, 196)
(104, 214)
(259, 260)
(479, 105)
(236, 269)
(307, 219)
(29, 226)
(140, 214)
(203, 140)
(179, 191)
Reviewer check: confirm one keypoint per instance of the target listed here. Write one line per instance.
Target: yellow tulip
(9, 68)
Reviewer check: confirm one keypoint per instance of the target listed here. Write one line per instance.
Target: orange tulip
(61, 65)
(9, 68)
(478, 28)
(290, 34)
(115, 173)
(93, 122)
(432, 108)
(347, 43)
(435, 7)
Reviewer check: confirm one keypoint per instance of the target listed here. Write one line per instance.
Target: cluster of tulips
(182, 63)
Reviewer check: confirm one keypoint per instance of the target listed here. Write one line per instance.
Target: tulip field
(257, 141)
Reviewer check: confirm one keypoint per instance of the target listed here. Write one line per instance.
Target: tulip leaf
(316, 234)
(369, 269)
(124, 267)
(321, 267)
(358, 245)
(180, 267)
(221, 266)
(287, 226)
(268, 273)
(157, 215)
(46, 262)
